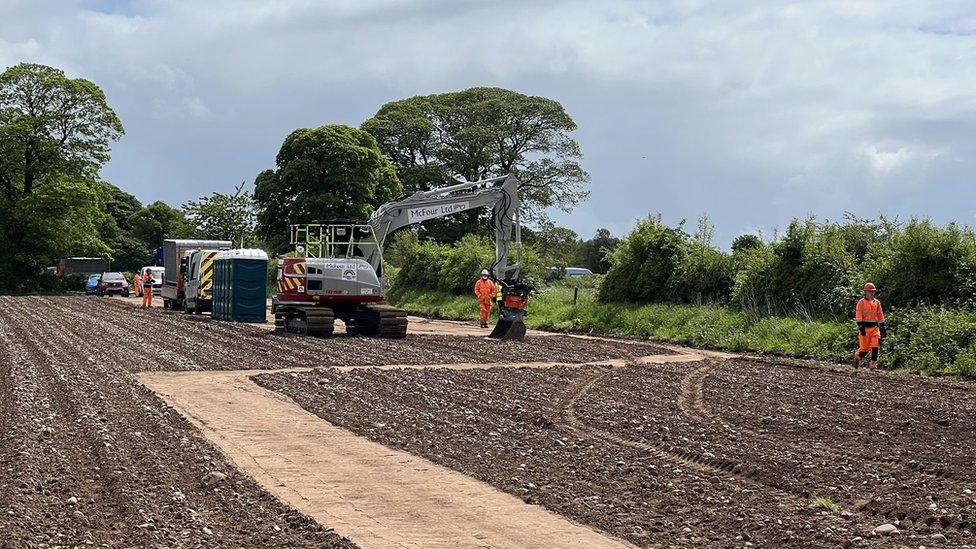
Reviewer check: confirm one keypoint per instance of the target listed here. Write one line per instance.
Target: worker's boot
(857, 360)
(873, 365)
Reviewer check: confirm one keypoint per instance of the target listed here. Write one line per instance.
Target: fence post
(575, 295)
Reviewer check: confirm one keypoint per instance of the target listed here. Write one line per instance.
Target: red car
(113, 283)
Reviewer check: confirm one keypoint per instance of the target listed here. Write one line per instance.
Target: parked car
(113, 283)
(157, 275)
(577, 272)
(91, 285)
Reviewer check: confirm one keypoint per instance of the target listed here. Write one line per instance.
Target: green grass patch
(707, 326)
(826, 504)
(926, 340)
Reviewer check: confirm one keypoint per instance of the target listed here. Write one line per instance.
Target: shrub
(926, 265)
(642, 264)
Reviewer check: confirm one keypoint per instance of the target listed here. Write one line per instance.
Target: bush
(932, 340)
(449, 268)
(924, 264)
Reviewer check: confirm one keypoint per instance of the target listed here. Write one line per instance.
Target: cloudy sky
(749, 112)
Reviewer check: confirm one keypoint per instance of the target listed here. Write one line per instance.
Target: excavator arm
(501, 195)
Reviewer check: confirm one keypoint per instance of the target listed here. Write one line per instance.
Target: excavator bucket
(511, 325)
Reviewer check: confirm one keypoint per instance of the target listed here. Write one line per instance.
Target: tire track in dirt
(708, 466)
(692, 402)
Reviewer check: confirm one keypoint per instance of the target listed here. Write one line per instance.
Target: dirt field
(699, 454)
(717, 453)
(90, 456)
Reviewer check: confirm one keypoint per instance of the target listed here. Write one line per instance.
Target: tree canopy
(329, 172)
(51, 125)
(484, 132)
(224, 216)
(55, 134)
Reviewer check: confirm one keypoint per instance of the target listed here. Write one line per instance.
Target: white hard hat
(484, 272)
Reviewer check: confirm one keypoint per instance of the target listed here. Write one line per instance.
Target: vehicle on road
(157, 276)
(175, 255)
(91, 285)
(577, 272)
(339, 268)
(112, 284)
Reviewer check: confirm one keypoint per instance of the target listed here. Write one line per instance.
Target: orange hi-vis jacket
(484, 288)
(869, 315)
(869, 312)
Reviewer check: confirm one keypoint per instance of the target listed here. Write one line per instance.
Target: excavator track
(313, 321)
(383, 321)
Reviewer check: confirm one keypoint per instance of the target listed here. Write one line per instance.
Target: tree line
(56, 134)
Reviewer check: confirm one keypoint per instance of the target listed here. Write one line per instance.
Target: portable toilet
(240, 285)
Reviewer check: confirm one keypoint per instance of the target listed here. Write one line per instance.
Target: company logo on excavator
(420, 214)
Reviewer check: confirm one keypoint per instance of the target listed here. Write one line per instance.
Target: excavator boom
(501, 195)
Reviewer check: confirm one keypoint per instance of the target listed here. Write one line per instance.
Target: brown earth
(717, 453)
(89, 456)
(678, 454)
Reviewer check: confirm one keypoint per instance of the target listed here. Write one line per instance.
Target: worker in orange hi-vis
(484, 288)
(871, 328)
(147, 289)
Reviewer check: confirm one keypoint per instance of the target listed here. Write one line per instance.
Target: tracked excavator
(337, 268)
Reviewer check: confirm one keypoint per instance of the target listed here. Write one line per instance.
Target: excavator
(337, 268)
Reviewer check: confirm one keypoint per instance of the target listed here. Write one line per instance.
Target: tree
(559, 246)
(158, 221)
(58, 220)
(329, 172)
(50, 125)
(745, 242)
(595, 252)
(54, 137)
(484, 132)
(114, 228)
(224, 216)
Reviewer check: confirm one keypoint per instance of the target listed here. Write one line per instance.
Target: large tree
(329, 172)
(55, 133)
(51, 125)
(485, 132)
(224, 216)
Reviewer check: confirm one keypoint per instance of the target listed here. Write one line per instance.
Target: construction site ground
(122, 427)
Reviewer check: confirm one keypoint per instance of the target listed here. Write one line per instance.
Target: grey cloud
(751, 113)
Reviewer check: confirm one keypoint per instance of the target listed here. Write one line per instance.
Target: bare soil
(89, 456)
(716, 453)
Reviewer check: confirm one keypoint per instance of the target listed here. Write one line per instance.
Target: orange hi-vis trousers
(147, 295)
(484, 304)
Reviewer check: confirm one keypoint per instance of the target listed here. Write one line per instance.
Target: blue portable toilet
(240, 285)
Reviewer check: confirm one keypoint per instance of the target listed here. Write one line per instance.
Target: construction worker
(147, 288)
(484, 288)
(871, 328)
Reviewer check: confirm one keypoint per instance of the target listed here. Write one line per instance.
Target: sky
(751, 113)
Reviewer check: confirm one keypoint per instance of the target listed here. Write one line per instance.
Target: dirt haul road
(685, 452)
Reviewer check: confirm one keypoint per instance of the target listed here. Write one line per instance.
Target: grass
(706, 326)
(826, 504)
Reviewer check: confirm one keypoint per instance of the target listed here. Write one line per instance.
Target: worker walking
(871, 328)
(484, 289)
(147, 289)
